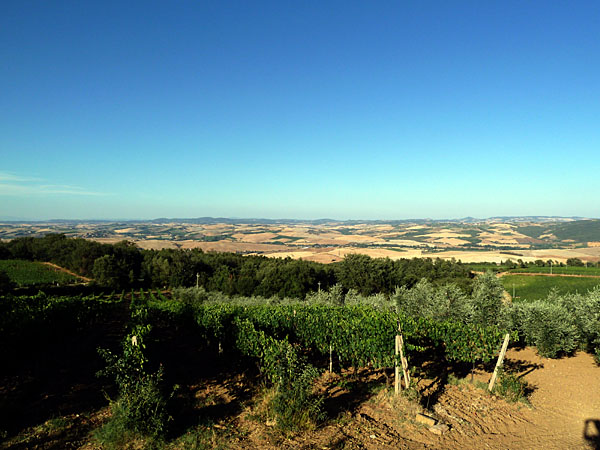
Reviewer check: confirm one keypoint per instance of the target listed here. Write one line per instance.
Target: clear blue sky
(309, 109)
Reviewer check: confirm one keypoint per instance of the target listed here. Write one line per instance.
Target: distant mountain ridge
(254, 221)
(245, 235)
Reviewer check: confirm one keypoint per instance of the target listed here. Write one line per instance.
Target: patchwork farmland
(490, 240)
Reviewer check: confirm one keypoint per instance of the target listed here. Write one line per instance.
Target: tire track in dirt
(62, 269)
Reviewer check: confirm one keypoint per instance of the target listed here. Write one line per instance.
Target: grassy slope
(27, 273)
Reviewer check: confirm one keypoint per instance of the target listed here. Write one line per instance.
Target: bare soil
(563, 412)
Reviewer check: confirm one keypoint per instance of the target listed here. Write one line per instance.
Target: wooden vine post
(330, 358)
(399, 351)
(396, 367)
(499, 362)
(404, 362)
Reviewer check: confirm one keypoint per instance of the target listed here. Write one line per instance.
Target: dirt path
(62, 269)
(565, 400)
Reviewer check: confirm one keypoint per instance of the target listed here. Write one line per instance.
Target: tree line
(124, 265)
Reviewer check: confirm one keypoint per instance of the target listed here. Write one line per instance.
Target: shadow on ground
(591, 433)
(345, 392)
(521, 366)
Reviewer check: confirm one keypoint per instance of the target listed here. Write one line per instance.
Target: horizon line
(323, 219)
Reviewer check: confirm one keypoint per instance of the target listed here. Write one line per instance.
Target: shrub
(139, 412)
(513, 320)
(418, 301)
(585, 311)
(353, 297)
(511, 387)
(190, 295)
(295, 404)
(334, 296)
(450, 302)
(487, 301)
(378, 301)
(141, 409)
(336, 293)
(550, 328)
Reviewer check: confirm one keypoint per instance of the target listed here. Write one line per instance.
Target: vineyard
(290, 342)
(155, 355)
(28, 273)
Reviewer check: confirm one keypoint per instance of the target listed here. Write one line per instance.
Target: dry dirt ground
(563, 413)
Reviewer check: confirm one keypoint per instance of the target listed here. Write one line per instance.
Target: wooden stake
(396, 367)
(404, 362)
(499, 362)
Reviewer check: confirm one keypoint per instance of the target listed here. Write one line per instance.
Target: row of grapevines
(277, 357)
(358, 334)
(27, 319)
(294, 402)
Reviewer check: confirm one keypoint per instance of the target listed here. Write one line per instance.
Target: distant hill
(579, 231)
(550, 220)
(534, 219)
(329, 239)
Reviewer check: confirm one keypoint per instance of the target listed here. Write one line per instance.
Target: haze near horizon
(346, 110)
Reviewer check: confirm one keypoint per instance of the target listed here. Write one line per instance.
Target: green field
(27, 273)
(484, 267)
(573, 270)
(527, 288)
